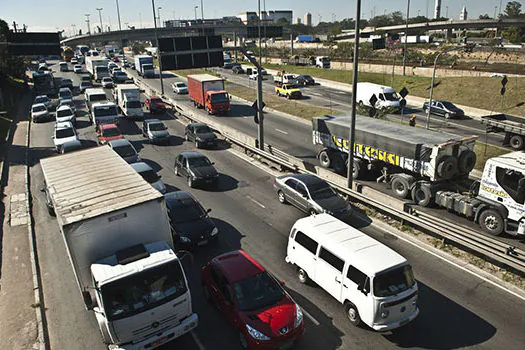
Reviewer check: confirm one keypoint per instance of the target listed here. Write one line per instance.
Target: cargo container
(207, 91)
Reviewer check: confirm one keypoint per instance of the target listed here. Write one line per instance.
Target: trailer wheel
(400, 187)
(491, 222)
(466, 161)
(516, 142)
(325, 159)
(447, 167)
(357, 168)
(422, 195)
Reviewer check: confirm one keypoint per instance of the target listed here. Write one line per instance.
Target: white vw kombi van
(374, 283)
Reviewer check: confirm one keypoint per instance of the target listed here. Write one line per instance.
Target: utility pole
(202, 12)
(259, 89)
(350, 165)
(158, 50)
(195, 10)
(158, 14)
(87, 21)
(406, 39)
(118, 15)
(99, 9)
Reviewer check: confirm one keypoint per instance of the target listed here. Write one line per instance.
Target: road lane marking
(310, 316)
(282, 131)
(197, 341)
(256, 202)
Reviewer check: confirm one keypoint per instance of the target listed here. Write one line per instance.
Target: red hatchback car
(155, 104)
(252, 300)
(108, 132)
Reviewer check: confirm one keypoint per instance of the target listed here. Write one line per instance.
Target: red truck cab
(154, 104)
(207, 91)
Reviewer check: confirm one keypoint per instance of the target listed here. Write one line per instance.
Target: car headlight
(385, 314)
(185, 239)
(214, 232)
(256, 334)
(298, 316)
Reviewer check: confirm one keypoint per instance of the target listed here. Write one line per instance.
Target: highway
(458, 309)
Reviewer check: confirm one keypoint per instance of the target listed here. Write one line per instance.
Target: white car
(65, 114)
(179, 87)
(39, 112)
(64, 133)
(74, 60)
(107, 82)
(43, 99)
(77, 68)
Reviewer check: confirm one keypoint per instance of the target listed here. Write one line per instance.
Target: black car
(190, 224)
(66, 83)
(201, 134)
(305, 79)
(444, 108)
(197, 169)
(237, 70)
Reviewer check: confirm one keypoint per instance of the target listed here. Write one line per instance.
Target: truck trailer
(97, 66)
(127, 97)
(414, 162)
(44, 84)
(116, 231)
(144, 66)
(512, 126)
(207, 91)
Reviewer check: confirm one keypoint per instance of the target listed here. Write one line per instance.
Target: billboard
(30, 44)
(191, 52)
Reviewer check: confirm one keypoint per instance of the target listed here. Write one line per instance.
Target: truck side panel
(196, 91)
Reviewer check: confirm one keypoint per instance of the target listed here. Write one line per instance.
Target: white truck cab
(374, 283)
(104, 113)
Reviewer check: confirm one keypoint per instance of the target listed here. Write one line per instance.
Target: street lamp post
(158, 50)
(406, 38)
(195, 10)
(118, 15)
(99, 9)
(87, 21)
(158, 14)
(202, 12)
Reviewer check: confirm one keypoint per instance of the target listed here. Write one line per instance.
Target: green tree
(9, 65)
(513, 34)
(485, 16)
(513, 9)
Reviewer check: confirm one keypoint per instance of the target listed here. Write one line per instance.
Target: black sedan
(196, 168)
(444, 108)
(310, 194)
(304, 80)
(201, 134)
(237, 70)
(190, 224)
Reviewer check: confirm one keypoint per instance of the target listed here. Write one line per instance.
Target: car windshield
(104, 111)
(391, 96)
(448, 105)
(292, 87)
(322, 191)
(107, 80)
(394, 282)
(150, 176)
(180, 85)
(155, 101)
(218, 98)
(39, 109)
(62, 133)
(133, 104)
(257, 291)
(66, 112)
(143, 290)
(199, 161)
(111, 132)
(205, 129)
(186, 212)
(120, 74)
(157, 127)
(65, 94)
(125, 151)
(41, 99)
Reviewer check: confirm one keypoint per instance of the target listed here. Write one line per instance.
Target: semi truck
(207, 91)
(127, 97)
(118, 239)
(512, 126)
(307, 39)
(144, 66)
(44, 84)
(67, 53)
(97, 66)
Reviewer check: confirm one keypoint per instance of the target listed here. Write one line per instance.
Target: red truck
(207, 91)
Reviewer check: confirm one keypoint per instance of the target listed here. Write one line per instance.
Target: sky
(69, 15)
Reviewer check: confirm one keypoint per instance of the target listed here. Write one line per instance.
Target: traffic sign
(373, 100)
(403, 92)
(31, 44)
(191, 52)
(254, 105)
(504, 81)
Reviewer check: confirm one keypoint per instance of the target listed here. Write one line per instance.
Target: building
(308, 19)
(463, 14)
(266, 16)
(298, 20)
(437, 9)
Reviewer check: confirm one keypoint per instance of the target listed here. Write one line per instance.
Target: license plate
(159, 341)
(202, 242)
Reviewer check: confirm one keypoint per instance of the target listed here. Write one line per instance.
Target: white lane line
(197, 340)
(310, 316)
(282, 131)
(256, 202)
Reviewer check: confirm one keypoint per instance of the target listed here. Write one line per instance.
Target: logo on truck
(368, 152)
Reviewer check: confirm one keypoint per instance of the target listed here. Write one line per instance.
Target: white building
(298, 20)
(308, 19)
(268, 16)
(463, 14)
(437, 9)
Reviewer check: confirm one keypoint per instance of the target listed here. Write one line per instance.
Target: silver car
(310, 194)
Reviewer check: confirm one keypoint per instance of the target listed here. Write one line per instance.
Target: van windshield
(391, 96)
(133, 104)
(394, 281)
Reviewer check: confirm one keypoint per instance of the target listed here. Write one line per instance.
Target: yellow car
(289, 91)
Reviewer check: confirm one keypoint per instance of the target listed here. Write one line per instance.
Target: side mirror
(88, 301)
(212, 163)
(208, 210)
(282, 283)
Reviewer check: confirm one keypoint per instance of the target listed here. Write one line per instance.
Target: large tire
(516, 142)
(422, 195)
(325, 159)
(491, 222)
(352, 314)
(447, 167)
(302, 276)
(400, 187)
(357, 169)
(282, 197)
(466, 161)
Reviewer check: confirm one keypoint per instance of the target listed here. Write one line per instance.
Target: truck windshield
(147, 66)
(394, 282)
(143, 291)
(391, 96)
(102, 69)
(219, 98)
(97, 97)
(104, 111)
(133, 104)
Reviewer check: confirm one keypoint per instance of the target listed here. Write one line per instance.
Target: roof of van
(377, 86)
(348, 243)
(95, 91)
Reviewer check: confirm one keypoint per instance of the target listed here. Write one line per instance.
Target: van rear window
(308, 243)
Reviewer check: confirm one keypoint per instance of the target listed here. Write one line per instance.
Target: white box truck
(97, 66)
(127, 97)
(144, 66)
(117, 235)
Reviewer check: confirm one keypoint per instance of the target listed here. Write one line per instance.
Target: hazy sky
(52, 15)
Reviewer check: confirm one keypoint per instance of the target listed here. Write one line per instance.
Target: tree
(513, 34)
(513, 9)
(485, 16)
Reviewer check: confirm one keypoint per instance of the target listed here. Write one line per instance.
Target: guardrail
(485, 246)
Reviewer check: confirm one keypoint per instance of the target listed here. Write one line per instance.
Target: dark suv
(197, 168)
(201, 134)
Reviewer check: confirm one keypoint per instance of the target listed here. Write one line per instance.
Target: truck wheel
(466, 161)
(302, 276)
(516, 142)
(400, 187)
(325, 159)
(357, 169)
(491, 222)
(447, 167)
(422, 195)
(352, 314)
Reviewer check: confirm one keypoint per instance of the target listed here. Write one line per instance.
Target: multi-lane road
(458, 309)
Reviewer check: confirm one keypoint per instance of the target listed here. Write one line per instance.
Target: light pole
(259, 89)
(87, 21)
(406, 39)
(118, 15)
(158, 14)
(73, 28)
(202, 12)
(158, 49)
(195, 9)
(99, 9)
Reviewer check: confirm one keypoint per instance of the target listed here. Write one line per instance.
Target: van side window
(358, 277)
(331, 259)
(308, 243)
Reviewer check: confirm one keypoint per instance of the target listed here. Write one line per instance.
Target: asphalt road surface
(458, 310)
